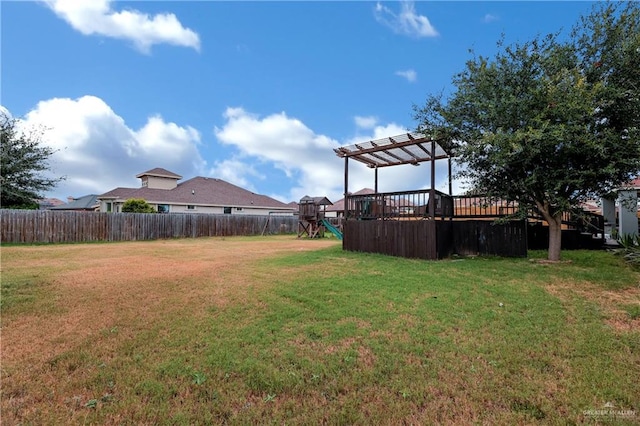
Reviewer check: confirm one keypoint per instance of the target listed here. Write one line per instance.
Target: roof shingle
(87, 202)
(338, 206)
(159, 171)
(199, 191)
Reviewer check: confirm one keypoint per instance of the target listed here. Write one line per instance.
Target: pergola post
(450, 192)
(450, 181)
(432, 192)
(346, 187)
(375, 187)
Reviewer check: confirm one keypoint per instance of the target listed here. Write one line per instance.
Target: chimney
(70, 199)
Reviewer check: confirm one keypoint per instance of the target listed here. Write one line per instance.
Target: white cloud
(406, 22)
(488, 18)
(365, 122)
(276, 138)
(308, 158)
(97, 17)
(4, 111)
(289, 145)
(97, 151)
(378, 132)
(409, 74)
(236, 172)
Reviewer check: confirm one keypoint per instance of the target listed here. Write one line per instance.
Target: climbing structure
(311, 211)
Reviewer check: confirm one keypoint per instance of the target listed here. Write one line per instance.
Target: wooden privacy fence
(414, 238)
(42, 226)
(436, 239)
(471, 237)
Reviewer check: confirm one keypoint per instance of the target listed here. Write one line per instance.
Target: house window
(191, 207)
(227, 210)
(109, 207)
(163, 208)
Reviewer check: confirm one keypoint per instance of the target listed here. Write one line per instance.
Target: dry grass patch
(614, 304)
(97, 291)
(272, 330)
(98, 287)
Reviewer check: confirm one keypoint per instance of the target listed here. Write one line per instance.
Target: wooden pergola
(429, 224)
(407, 148)
(419, 223)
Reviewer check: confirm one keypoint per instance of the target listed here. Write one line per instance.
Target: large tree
(608, 46)
(24, 160)
(548, 123)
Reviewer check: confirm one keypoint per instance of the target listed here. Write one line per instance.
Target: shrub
(137, 205)
(630, 249)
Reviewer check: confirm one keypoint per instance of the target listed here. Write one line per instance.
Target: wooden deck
(399, 224)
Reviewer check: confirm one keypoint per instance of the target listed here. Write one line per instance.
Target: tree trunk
(555, 238)
(555, 230)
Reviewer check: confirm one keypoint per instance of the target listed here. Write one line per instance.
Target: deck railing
(415, 205)
(480, 207)
(398, 205)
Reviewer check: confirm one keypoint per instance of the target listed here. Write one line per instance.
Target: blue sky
(255, 93)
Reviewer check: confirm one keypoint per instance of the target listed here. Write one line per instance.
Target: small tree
(535, 125)
(137, 205)
(23, 159)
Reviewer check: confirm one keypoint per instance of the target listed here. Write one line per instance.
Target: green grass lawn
(332, 337)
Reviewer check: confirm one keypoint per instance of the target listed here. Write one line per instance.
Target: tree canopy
(137, 205)
(24, 161)
(548, 123)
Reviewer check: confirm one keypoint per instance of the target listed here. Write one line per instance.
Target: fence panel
(414, 239)
(44, 226)
(473, 237)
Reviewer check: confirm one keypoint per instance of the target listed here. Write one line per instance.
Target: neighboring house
(337, 209)
(161, 189)
(87, 203)
(623, 209)
(48, 203)
(592, 206)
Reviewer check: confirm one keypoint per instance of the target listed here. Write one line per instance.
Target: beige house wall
(116, 207)
(109, 206)
(182, 208)
(155, 182)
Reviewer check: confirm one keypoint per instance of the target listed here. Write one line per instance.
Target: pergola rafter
(408, 148)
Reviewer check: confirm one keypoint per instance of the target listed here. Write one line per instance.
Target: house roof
(338, 206)
(160, 172)
(48, 203)
(87, 202)
(635, 184)
(199, 191)
(408, 148)
(318, 201)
